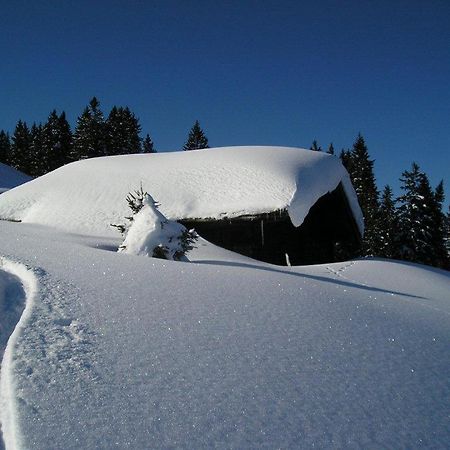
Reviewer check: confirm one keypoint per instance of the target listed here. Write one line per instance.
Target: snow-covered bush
(150, 233)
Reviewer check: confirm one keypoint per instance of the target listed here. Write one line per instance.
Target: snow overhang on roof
(86, 196)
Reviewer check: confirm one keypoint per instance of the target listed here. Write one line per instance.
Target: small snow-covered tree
(135, 202)
(150, 233)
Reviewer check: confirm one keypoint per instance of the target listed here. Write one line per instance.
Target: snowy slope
(87, 196)
(121, 351)
(10, 177)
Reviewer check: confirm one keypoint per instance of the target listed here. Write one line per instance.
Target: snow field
(133, 352)
(112, 350)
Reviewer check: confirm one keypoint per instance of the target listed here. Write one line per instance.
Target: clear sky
(252, 72)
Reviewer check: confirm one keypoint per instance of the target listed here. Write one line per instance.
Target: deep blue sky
(253, 72)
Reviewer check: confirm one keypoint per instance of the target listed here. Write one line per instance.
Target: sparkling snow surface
(10, 177)
(86, 196)
(122, 351)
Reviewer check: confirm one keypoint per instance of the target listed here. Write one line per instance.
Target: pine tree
(315, 147)
(122, 132)
(439, 192)
(57, 142)
(89, 138)
(115, 133)
(346, 157)
(409, 212)
(20, 154)
(50, 142)
(438, 229)
(148, 145)
(65, 139)
(427, 250)
(388, 225)
(360, 168)
(5, 147)
(135, 202)
(196, 139)
(416, 213)
(330, 150)
(82, 147)
(447, 238)
(38, 160)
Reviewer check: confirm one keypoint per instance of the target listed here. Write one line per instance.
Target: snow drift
(86, 196)
(10, 178)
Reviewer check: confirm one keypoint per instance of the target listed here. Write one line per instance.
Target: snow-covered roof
(10, 177)
(86, 196)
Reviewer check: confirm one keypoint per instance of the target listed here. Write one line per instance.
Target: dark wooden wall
(328, 233)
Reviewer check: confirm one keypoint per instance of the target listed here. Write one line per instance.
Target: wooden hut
(328, 233)
(275, 204)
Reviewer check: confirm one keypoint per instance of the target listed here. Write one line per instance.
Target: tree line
(411, 227)
(42, 148)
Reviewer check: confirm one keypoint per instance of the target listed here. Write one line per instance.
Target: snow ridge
(8, 397)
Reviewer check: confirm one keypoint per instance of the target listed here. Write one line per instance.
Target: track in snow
(12, 303)
(17, 287)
